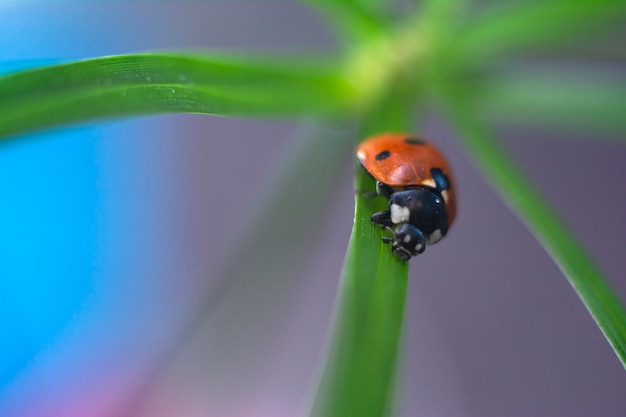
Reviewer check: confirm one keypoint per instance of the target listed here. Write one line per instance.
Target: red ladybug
(416, 179)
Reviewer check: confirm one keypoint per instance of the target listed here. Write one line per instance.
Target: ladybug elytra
(417, 180)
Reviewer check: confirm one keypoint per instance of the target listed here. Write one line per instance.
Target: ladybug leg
(383, 218)
(387, 240)
(383, 190)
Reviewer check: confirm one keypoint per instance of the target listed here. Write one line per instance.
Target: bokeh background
(117, 241)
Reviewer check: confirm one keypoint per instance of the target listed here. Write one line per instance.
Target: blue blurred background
(111, 234)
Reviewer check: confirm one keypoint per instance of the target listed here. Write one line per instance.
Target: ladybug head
(407, 241)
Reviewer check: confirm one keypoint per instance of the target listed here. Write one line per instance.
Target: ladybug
(416, 179)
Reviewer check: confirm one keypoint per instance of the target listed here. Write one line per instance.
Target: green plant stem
(360, 371)
(359, 377)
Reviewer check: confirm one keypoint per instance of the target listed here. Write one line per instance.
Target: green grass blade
(359, 377)
(592, 102)
(440, 12)
(586, 279)
(260, 267)
(354, 18)
(374, 5)
(131, 85)
(511, 26)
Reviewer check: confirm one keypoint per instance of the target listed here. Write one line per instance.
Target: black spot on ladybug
(383, 155)
(441, 179)
(414, 141)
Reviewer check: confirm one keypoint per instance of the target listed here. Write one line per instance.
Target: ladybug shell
(402, 160)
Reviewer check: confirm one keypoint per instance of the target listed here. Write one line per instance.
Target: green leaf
(586, 279)
(591, 101)
(360, 372)
(141, 84)
(359, 376)
(511, 26)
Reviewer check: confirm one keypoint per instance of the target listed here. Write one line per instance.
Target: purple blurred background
(111, 234)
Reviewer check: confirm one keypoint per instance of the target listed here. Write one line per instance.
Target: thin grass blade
(359, 378)
(357, 19)
(564, 99)
(360, 371)
(584, 276)
(241, 311)
(131, 85)
(508, 27)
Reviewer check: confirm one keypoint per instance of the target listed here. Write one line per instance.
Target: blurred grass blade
(374, 5)
(507, 27)
(583, 275)
(360, 373)
(440, 13)
(245, 306)
(130, 85)
(593, 102)
(357, 19)
(359, 376)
